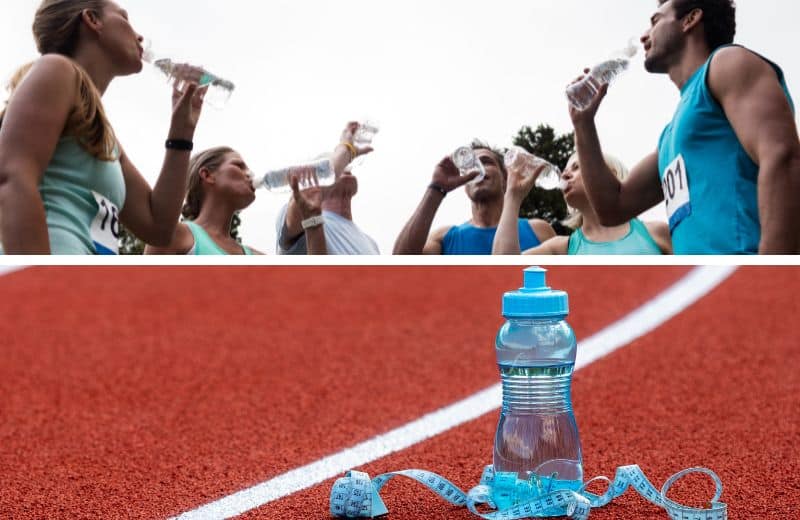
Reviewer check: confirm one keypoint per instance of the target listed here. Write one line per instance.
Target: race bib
(676, 192)
(105, 226)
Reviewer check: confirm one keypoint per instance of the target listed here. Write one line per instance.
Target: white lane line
(8, 269)
(662, 308)
(646, 318)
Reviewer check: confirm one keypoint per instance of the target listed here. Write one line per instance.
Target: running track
(149, 392)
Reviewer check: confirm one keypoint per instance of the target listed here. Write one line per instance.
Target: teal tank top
(204, 245)
(709, 181)
(82, 198)
(638, 241)
(467, 239)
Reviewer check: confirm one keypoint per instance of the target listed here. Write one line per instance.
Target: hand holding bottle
(447, 176)
(588, 113)
(187, 105)
(357, 137)
(522, 179)
(586, 93)
(532, 169)
(217, 89)
(349, 136)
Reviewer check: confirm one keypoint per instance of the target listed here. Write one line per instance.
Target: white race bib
(105, 226)
(676, 192)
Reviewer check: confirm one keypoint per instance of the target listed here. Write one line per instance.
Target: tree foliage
(129, 244)
(544, 204)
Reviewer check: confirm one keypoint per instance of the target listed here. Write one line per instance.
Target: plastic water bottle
(362, 138)
(466, 160)
(366, 133)
(316, 173)
(518, 158)
(537, 449)
(580, 94)
(219, 90)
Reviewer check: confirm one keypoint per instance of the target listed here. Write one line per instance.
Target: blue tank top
(467, 239)
(709, 181)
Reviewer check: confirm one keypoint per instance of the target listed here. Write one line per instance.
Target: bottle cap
(535, 299)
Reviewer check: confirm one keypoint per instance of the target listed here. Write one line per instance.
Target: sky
(434, 73)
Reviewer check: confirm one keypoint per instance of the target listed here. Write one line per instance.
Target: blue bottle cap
(535, 299)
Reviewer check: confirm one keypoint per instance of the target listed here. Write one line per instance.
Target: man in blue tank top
(476, 236)
(728, 165)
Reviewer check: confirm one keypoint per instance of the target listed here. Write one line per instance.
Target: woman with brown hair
(65, 181)
(220, 185)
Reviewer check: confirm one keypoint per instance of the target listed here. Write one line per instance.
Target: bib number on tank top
(105, 226)
(676, 192)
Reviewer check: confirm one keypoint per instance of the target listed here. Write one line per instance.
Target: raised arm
(614, 202)
(32, 126)
(152, 214)
(413, 239)
(554, 246)
(748, 89)
(344, 153)
(518, 186)
(308, 204)
(181, 243)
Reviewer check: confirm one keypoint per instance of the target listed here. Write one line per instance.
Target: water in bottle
(219, 89)
(537, 449)
(316, 173)
(518, 158)
(582, 93)
(466, 160)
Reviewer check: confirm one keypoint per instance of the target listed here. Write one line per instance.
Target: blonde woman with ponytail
(590, 236)
(65, 181)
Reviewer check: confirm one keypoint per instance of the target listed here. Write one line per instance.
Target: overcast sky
(435, 73)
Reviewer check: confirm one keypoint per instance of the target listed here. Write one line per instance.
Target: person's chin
(246, 201)
(652, 66)
(572, 198)
(135, 68)
(480, 194)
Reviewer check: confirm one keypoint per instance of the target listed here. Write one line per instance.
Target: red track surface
(146, 392)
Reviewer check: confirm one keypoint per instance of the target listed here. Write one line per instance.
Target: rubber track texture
(145, 392)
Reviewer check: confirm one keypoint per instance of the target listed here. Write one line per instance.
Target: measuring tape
(356, 496)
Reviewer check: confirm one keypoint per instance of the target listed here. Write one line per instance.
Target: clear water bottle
(366, 133)
(537, 449)
(518, 158)
(363, 137)
(219, 90)
(580, 94)
(316, 173)
(466, 160)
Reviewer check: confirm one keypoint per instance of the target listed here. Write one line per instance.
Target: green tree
(131, 245)
(128, 243)
(547, 205)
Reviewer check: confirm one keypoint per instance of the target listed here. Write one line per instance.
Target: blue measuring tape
(357, 496)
